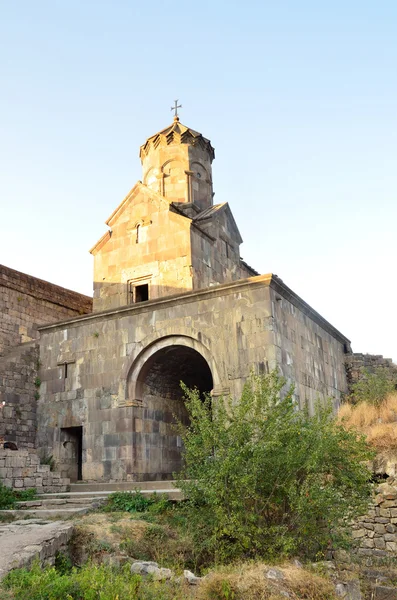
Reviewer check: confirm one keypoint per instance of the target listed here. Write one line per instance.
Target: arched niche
(174, 180)
(201, 186)
(154, 383)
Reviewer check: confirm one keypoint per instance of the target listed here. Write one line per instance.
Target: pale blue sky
(298, 98)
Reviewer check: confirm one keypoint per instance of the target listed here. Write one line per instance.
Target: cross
(175, 108)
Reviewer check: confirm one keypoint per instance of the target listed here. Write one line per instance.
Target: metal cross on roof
(175, 108)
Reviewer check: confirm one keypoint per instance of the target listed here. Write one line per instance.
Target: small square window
(137, 293)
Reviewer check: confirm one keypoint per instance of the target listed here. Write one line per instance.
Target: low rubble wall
(22, 542)
(21, 469)
(376, 532)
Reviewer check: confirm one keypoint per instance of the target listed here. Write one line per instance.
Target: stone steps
(123, 486)
(46, 513)
(63, 505)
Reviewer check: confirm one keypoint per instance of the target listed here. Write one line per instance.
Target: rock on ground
(21, 542)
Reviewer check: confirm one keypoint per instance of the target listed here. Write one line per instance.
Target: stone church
(98, 387)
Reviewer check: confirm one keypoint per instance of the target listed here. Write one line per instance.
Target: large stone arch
(135, 369)
(153, 384)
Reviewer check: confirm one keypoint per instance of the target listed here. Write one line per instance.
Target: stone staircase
(83, 497)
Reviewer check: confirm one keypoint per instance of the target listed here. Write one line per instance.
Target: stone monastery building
(97, 385)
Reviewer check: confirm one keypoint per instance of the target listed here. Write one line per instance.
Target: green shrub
(265, 479)
(136, 502)
(9, 497)
(373, 387)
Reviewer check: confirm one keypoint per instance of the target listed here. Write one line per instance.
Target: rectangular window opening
(142, 292)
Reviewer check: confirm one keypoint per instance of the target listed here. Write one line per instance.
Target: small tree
(373, 387)
(263, 478)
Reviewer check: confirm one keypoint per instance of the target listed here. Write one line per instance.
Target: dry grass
(378, 423)
(249, 582)
(111, 530)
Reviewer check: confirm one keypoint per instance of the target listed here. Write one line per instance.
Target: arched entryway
(157, 447)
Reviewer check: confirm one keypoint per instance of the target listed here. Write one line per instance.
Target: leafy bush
(9, 497)
(373, 388)
(136, 502)
(265, 479)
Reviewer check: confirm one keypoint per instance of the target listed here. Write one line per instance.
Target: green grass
(91, 582)
(9, 497)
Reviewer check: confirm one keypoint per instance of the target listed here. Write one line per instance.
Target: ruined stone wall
(19, 391)
(21, 469)
(234, 327)
(357, 363)
(26, 302)
(376, 532)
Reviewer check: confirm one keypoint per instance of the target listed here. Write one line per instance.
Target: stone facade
(21, 469)
(125, 366)
(26, 302)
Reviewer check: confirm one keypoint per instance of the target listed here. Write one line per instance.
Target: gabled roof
(176, 133)
(216, 210)
(138, 188)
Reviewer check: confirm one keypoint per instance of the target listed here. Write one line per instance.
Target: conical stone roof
(176, 133)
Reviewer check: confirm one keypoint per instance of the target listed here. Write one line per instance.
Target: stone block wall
(356, 363)
(376, 532)
(21, 469)
(19, 391)
(26, 302)
(257, 323)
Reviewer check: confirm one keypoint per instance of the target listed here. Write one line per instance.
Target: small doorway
(71, 452)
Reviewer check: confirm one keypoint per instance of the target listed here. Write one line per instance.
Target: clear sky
(298, 98)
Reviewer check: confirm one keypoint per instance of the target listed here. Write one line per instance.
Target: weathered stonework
(26, 302)
(21, 469)
(19, 389)
(125, 367)
(376, 532)
(167, 234)
(357, 364)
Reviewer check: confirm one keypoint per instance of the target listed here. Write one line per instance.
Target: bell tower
(176, 164)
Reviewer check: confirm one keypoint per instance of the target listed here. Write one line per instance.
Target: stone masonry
(26, 302)
(125, 366)
(357, 364)
(376, 532)
(19, 393)
(21, 469)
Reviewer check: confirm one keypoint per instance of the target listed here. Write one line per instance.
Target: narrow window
(142, 292)
(137, 234)
(65, 372)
